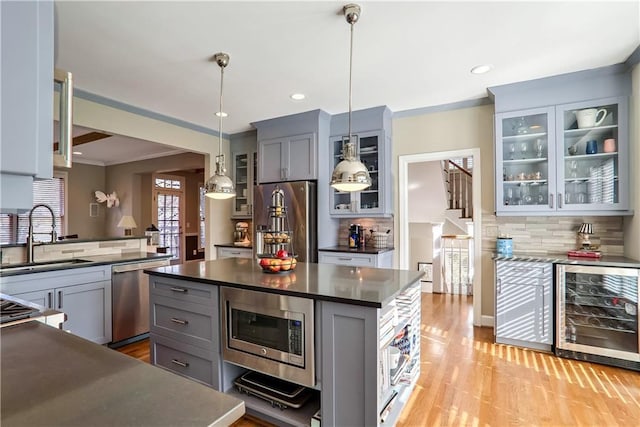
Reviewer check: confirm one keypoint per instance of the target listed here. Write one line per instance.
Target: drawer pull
(235, 253)
(179, 363)
(183, 290)
(345, 259)
(179, 321)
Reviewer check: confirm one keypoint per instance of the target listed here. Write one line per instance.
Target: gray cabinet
(543, 128)
(373, 129)
(545, 167)
(27, 100)
(244, 163)
(234, 253)
(288, 146)
(291, 158)
(83, 294)
(185, 328)
(380, 260)
(524, 304)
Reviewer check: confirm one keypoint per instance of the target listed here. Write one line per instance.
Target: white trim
(403, 217)
(64, 175)
(488, 321)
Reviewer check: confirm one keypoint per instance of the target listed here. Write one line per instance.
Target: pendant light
(350, 174)
(220, 186)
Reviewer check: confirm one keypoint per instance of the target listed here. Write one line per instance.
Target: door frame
(182, 193)
(403, 214)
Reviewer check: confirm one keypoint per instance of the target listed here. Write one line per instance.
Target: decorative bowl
(277, 265)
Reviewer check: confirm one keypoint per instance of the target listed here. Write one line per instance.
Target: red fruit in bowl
(264, 262)
(282, 253)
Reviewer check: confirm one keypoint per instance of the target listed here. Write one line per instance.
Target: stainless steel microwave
(269, 333)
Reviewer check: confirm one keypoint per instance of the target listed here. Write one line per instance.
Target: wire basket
(379, 240)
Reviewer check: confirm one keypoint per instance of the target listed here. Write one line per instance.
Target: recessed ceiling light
(481, 69)
(78, 153)
(223, 114)
(298, 96)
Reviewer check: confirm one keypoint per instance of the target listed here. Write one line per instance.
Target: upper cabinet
(288, 146)
(27, 36)
(244, 161)
(569, 158)
(373, 129)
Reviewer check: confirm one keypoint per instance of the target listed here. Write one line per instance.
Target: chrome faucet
(30, 242)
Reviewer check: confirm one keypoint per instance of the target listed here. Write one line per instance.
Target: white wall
(427, 196)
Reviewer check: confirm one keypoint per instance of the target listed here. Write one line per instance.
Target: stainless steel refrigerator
(300, 201)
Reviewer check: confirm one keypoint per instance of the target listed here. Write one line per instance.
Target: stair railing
(460, 184)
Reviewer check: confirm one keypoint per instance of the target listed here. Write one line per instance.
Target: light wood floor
(467, 380)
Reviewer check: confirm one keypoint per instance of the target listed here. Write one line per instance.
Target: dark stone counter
(371, 287)
(50, 377)
(366, 250)
(231, 245)
(604, 261)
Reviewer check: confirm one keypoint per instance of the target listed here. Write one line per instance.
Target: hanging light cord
(352, 23)
(220, 155)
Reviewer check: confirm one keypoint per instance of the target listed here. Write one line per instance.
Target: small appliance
(241, 234)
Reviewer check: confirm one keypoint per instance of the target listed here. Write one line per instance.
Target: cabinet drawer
(349, 259)
(185, 360)
(523, 270)
(191, 323)
(234, 252)
(184, 291)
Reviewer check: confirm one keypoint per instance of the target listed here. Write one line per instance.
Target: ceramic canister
(504, 246)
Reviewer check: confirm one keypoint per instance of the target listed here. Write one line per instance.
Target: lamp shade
(127, 221)
(585, 228)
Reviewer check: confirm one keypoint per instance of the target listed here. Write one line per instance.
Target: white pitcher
(588, 117)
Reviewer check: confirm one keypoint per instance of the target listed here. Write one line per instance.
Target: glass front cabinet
(373, 200)
(244, 173)
(565, 159)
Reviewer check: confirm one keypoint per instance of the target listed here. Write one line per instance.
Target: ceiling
(407, 55)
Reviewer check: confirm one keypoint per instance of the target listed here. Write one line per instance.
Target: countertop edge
(346, 249)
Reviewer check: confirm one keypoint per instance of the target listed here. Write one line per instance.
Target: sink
(36, 266)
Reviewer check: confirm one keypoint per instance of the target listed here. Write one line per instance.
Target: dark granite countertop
(88, 261)
(365, 286)
(231, 245)
(604, 261)
(366, 250)
(50, 377)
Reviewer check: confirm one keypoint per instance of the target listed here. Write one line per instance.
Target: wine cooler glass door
(597, 310)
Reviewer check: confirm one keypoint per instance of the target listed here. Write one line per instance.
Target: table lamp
(127, 222)
(584, 231)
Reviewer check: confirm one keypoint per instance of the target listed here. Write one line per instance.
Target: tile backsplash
(376, 224)
(552, 235)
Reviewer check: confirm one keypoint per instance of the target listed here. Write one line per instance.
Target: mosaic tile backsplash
(552, 235)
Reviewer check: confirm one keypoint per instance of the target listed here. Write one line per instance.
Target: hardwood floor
(467, 380)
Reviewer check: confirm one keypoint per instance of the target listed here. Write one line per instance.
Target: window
(168, 212)
(201, 231)
(52, 192)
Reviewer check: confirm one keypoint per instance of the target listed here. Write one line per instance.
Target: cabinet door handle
(59, 299)
(286, 173)
(543, 309)
(183, 290)
(551, 200)
(49, 299)
(499, 286)
(179, 363)
(560, 200)
(179, 321)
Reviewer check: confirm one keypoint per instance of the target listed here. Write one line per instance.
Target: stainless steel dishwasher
(130, 301)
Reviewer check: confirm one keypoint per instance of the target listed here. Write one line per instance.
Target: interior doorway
(404, 214)
(168, 213)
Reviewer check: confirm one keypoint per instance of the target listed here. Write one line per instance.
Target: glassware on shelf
(520, 126)
(523, 149)
(512, 151)
(573, 168)
(539, 147)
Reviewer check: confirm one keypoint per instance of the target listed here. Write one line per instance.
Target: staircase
(457, 239)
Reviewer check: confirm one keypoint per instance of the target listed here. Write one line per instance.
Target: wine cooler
(597, 314)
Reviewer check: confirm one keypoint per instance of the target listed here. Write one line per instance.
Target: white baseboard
(487, 321)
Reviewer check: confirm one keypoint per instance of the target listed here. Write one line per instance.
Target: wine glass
(512, 151)
(509, 200)
(539, 147)
(523, 149)
(573, 167)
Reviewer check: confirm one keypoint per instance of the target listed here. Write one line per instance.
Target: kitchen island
(50, 377)
(359, 315)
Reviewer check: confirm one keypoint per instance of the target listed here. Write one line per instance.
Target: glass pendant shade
(220, 186)
(350, 174)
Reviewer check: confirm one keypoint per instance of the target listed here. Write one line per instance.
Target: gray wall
(82, 183)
